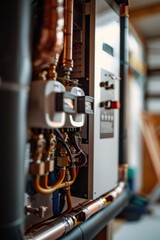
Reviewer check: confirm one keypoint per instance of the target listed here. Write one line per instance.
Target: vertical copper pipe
(68, 35)
(50, 43)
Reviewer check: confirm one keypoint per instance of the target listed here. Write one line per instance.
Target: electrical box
(74, 117)
(70, 127)
(100, 133)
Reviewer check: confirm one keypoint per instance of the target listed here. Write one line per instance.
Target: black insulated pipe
(90, 228)
(15, 70)
(123, 84)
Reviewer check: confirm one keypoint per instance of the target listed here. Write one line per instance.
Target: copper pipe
(54, 230)
(123, 168)
(45, 181)
(123, 10)
(50, 42)
(68, 35)
(69, 201)
(63, 184)
(46, 189)
(38, 188)
(86, 210)
(92, 208)
(69, 183)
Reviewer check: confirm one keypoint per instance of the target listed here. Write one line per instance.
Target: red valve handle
(115, 105)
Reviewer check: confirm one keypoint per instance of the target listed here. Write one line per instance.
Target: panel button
(115, 105)
(110, 104)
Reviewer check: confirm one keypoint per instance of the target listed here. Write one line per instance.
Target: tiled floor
(147, 228)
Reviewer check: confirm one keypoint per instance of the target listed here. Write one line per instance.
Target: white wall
(135, 104)
(134, 133)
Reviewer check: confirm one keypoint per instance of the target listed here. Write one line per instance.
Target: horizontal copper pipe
(86, 211)
(92, 208)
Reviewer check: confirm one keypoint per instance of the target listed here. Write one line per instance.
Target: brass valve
(40, 147)
(38, 154)
(52, 74)
(52, 146)
(42, 75)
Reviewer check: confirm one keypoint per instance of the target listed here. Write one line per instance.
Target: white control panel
(104, 71)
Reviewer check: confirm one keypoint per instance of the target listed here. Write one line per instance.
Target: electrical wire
(80, 153)
(62, 141)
